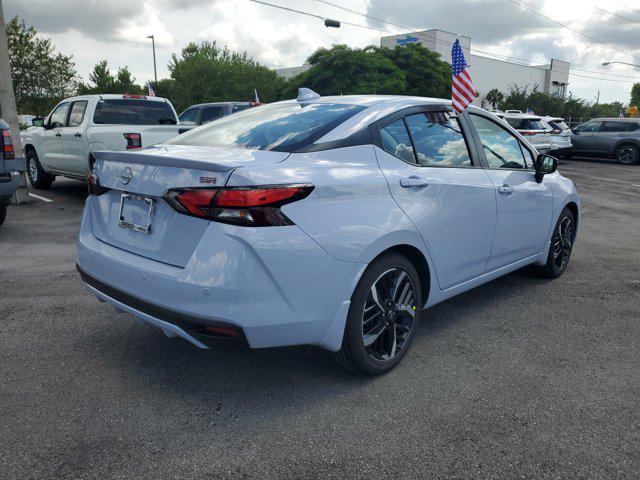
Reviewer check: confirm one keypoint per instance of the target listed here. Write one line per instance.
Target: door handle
(413, 182)
(58, 134)
(77, 135)
(505, 189)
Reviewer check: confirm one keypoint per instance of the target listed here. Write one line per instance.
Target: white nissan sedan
(330, 221)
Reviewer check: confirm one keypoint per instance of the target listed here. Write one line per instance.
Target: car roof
(523, 116)
(616, 119)
(213, 104)
(114, 96)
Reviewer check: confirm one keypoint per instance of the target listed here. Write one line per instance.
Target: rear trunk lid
(137, 180)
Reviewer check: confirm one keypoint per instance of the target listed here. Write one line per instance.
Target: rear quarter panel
(350, 213)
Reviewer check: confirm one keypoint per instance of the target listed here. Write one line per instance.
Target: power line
(616, 15)
(487, 54)
(570, 28)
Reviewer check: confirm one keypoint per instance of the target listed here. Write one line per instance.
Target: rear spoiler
(160, 157)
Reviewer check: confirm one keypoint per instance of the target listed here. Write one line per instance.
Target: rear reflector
(7, 145)
(246, 206)
(134, 140)
(221, 331)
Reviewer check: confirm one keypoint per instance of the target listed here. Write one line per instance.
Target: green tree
(426, 75)
(41, 77)
(207, 73)
(102, 81)
(635, 95)
(495, 98)
(344, 70)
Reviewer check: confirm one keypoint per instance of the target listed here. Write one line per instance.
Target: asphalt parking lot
(520, 378)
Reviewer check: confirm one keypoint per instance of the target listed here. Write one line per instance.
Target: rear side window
(501, 149)
(211, 113)
(77, 113)
(589, 127)
(396, 141)
(133, 112)
(524, 124)
(284, 127)
(189, 116)
(619, 127)
(437, 140)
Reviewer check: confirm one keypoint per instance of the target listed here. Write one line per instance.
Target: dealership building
(487, 73)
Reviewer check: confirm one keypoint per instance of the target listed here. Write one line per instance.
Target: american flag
(462, 89)
(151, 92)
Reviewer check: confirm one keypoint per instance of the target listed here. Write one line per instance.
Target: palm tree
(494, 97)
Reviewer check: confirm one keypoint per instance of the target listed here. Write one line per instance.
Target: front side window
(589, 127)
(77, 113)
(133, 112)
(396, 141)
(438, 140)
(58, 117)
(211, 113)
(284, 127)
(501, 148)
(189, 116)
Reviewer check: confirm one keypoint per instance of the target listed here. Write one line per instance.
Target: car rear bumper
(9, 183)
(274, 285)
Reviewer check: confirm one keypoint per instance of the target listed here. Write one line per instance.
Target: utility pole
(155, 71)
(9, 112)
(598, 98)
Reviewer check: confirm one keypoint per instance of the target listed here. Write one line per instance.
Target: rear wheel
(628, 154)
(37, 176)
(561, 246)
(383, 316)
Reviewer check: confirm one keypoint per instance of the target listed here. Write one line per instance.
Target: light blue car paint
(291, 285)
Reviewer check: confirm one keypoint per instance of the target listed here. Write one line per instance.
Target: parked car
(617, 137)
(66, 141)
(25, 120)
(560, 135)
(531, 127)
(203, 113)
(326, 221)
(9, 175)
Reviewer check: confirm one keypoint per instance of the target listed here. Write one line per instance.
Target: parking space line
(40, 198)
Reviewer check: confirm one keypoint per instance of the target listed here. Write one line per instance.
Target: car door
(74, 144)
(584, 138)
(612, 132)
(438, 182)
(51, 150)
(524, 206)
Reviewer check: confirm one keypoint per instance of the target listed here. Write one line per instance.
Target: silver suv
(617, 137)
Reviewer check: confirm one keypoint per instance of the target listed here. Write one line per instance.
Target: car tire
(380, 327)
(3, 213)
(561, 246)
(628, 154)
(37, 176)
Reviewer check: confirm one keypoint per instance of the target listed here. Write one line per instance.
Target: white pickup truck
(63, 142)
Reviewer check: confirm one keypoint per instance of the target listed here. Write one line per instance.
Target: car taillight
(93, 182)
(556, 131)
(7, 145)
(134, 140)
(246, 206)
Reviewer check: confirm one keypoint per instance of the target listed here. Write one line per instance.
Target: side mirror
(38, 122)
(545, 164)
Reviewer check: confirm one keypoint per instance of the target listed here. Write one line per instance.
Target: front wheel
(561, 246)
(628, 154)
(37, 176)
(383, 316)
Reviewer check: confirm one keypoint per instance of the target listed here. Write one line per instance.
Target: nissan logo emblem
(126, 176)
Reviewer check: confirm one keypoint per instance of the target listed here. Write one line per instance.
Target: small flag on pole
(255, 90)
(462, 89)
(529, 111)
(151, 92)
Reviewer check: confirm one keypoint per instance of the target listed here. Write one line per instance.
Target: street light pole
(9, 112)
(604, 64)
(155, 71)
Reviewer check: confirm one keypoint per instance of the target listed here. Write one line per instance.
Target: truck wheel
(627, 154)
(3, 213)
(37, 176)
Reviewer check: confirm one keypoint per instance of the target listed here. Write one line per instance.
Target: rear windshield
(133, 112)
(524, 124)
(558, 124)
(284, 127)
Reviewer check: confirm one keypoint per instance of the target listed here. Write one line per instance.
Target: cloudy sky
(115, 30)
